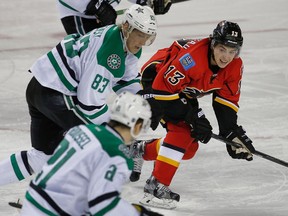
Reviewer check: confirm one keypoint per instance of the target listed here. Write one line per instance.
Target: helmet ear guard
(128, 108)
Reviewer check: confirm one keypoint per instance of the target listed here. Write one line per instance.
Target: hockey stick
(17, 204)
(258, 153)
(122, 11)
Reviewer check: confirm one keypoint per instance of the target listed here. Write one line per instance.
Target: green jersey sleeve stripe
(96, 114)
(68, 6)
(99, 113)
(108, 208)
(122, 85)
(60, 73)
(37, 205)
(71, 106)
(16, 168)
(84, 117)
(60, 51)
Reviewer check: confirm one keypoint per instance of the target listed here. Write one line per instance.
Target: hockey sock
(152, 149)
(164, 172)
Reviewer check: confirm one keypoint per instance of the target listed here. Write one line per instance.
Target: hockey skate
(136, 152)
(158, 195)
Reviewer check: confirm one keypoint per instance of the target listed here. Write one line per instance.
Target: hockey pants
(169, 151)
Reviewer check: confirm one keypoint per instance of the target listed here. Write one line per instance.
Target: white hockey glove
(239, 136)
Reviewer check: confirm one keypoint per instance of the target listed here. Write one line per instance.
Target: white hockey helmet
(143, 19)
(127, 108)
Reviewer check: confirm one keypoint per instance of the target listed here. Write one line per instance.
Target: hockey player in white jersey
(85, 15)
(72, 82)
(85, 174)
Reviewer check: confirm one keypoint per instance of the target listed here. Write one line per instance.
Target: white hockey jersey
(90, 67)
(84, 176)
(77, 8)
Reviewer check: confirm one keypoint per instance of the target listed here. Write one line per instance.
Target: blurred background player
(71, 84)
(177, 76)
(85, 15)
(86, 173)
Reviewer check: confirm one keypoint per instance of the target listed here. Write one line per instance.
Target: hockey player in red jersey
(176, 77)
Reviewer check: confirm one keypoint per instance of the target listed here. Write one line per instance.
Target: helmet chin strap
(125, 38)
(125, 42)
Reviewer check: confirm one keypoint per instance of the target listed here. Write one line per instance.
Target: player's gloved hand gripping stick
(258, 153)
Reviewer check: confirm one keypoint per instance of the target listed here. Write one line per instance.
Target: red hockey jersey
(184, 68)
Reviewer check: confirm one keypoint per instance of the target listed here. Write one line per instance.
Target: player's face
(136, 40)
(223, 55)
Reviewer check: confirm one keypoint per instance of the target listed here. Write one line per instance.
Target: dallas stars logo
(140, 10)
(114, 61)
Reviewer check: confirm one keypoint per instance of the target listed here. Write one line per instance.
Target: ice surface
(211, 184)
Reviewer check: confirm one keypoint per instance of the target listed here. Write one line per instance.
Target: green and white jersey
(90, 67)
(84, 176)
(77, 8)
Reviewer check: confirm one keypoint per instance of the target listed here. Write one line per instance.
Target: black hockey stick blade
(258, 153)
(17, 204)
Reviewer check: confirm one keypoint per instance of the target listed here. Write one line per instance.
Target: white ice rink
(211, 184)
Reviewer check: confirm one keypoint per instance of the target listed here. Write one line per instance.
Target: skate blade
(152, 201)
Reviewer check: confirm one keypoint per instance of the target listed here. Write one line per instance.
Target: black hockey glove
(156, 109)
(161, 6)
(158, 6)
(103, 11)
(239, 136)
(157, 113)
(144, 211)
(201, 129)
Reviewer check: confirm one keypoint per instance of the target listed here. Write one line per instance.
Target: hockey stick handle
(258, 153)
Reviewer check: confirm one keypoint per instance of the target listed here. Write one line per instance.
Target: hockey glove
(156, 109)
(157, 112)
(161, 6)
(201, 129)
(144, 211)
(239, 136)
(103, 11)
(158, 6)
